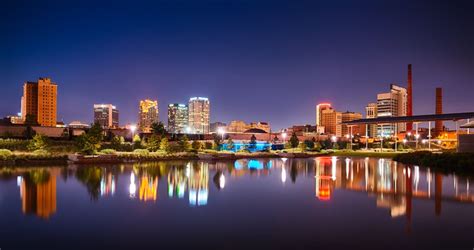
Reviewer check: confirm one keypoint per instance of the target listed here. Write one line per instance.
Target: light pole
(334, 140)
(221, 131)
(416, 140)
(133, 128)
(283, 135)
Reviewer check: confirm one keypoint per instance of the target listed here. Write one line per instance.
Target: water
(322, 203)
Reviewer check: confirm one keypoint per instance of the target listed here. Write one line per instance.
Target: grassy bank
(462, 163)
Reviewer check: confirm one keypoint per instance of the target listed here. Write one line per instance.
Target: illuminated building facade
(331, 120)
(177, 118)
(350, 116)
(107, 115)
(319, 112)
(393, 103)
(371, 112)
(148, 114)
(199, 115)
(39, 101)
(238, 126)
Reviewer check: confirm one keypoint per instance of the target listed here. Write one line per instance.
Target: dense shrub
(5, 154)
(108, 151)
(13, 144)
(141, 151)
(448, 162)
(41, 152)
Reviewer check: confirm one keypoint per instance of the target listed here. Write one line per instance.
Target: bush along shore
(460, 163)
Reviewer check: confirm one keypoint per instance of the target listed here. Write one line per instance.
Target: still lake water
(324, 202)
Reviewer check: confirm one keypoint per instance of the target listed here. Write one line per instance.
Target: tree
(153, 143)
(275, 139)
(116, 142)
(196, 145)
(184, 143)
(230, 144)
(309, 143)
(30, 120)
(217, 142)
(294, 142)
(164, 145)
(158, 129)
(39, 141)
(137, 142)
(253, 142)
(91, 141)
(303, 147)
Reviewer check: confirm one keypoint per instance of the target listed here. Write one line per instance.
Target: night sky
(256, 60)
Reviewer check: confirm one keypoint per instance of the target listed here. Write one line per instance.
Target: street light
(417, 136)
(133, 128)
(334, 140)
(221, 131)
(283, 135)
(404, 141)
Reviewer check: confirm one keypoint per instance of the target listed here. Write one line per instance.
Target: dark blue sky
(255, 60)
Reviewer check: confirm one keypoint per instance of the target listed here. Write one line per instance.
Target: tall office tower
(371, 112)
(439, 110)
(350, 116)
(331, 120)
(393, 103)
(199, 110)
(39, 102)
(106, 115)
(319, 109)
(177, 118)
(409, 125)
(148, 114)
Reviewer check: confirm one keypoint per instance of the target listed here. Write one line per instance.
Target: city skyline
(246, 67)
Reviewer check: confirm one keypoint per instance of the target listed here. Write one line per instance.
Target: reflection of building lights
(222, 181)
(284, 159)
(283, 175)
(19, 179)
(133, 187)
(333, 167)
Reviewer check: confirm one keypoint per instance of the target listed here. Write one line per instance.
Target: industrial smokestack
(409, 98)
(439, 110)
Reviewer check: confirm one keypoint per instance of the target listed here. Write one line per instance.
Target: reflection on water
(394, 185)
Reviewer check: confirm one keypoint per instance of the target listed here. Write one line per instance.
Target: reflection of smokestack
(439, 110)
(410, 98)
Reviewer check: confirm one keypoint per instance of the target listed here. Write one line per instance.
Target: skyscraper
(177, 118)
(148, 114)
(319, 109)
(393, 103)
(331, 120)
(409, 125)
(106, 115)
(350, 116)
(39, 102)
(371, 112)
(199, 110)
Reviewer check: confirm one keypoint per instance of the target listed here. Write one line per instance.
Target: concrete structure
(331, 120)
(371, 112)
(39, 101)
(199, 115)
(409, 126)
(177, 118)
(466, 143)
(439, 110)
(391, 104)
(106, 115)
(148, 114)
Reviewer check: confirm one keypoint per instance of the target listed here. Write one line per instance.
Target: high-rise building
(439, 110)
(177, 118)
(39, 102)
(371, 112)
(199, 113)
(148, 114)
(350, 116)
(107, 115)
(409, 125)
(331, 120)
(393, 103)
(319, 109)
